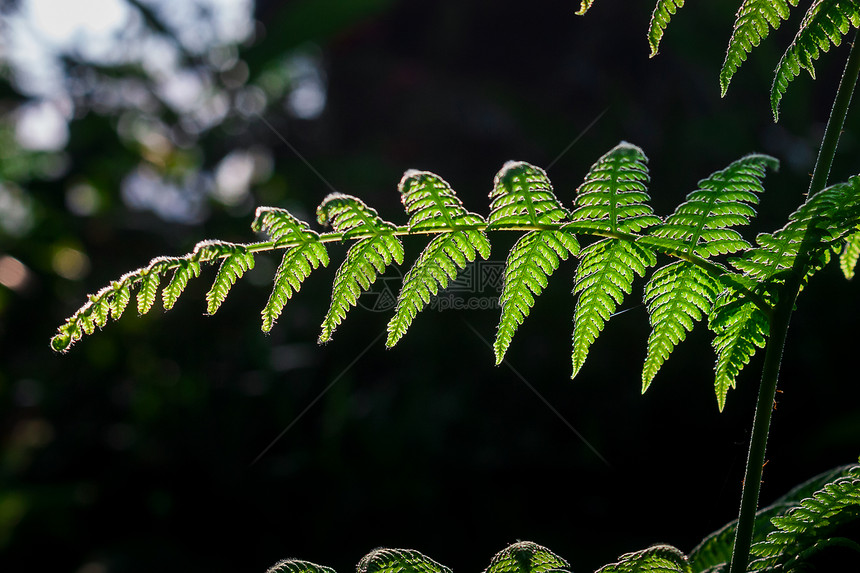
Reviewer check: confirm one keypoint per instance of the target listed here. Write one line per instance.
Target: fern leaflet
(715, 550)
(522, 195)
(660, 18)
(740, 328)
(586, 4)
(526, 557)
(186, 269)
(682, 293)
(850, 254)
(398, 561)
(148, 290)
(611, 201)
(432, 204)
(364, 260)
(752, 24)
(808, 525)
(824, 24)
(232, 268)
(656, 559)
(303, 253)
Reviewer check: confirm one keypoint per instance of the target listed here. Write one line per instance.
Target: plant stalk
(780, 322)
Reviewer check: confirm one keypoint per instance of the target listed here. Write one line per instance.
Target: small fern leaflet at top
(682, 293)
(610, 202)
(522, 196)
(824, 24)
(365, 259)
(432, 204)
(753, 22)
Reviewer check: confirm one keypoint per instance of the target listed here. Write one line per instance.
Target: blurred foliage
(141, 449)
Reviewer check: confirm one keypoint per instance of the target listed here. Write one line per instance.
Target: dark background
(136, 450)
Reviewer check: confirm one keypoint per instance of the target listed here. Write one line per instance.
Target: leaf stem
(781, 319)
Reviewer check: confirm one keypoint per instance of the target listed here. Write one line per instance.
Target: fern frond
(296, 265)
(611, 200)
(715, 550)
(850, 254)
(278, 224)
(809, 524)
(753, 22)
(365, 260)
(398, 561)
(663, 12)
(148, 290)
(655, 559)
(297, 566)
(441, 260)
(740, 328)
(531, 261)
(612, 197)
(700, 225)
(824, 24)
(232, 268)
(827, 217)
(526, 557)
(351, 216)
(186, 270)
(677, 296)
(604, 276)
(432, 203)
(522, 195)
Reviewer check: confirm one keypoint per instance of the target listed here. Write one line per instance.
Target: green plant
(747, 292)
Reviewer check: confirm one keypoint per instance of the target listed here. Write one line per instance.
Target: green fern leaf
(655, 559)
(715, 550)
(526, 557)
(604, 276)
(850, 254)
(398, 561)
(700, 225)
(740, 328)
(611, 200)
(824, 24)
(148, 290)
(522, 195)
(232, 268)
(351, 216)
(432, 204)
(185, 270)
(365, 260)
(297, 566)
(532, 260)
(440, 261)
(753, 22)
(120, 295)
(677, 296)
(806, 527)
(586, 4)
(279, 225)
(295, 267)
(663, 12)
(828, 218)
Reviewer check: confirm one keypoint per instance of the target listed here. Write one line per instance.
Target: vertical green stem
(779, 323)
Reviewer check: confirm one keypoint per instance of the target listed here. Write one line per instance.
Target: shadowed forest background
(141, 448)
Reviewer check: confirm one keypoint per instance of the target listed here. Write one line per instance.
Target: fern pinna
(609, 214)
(824, 23)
